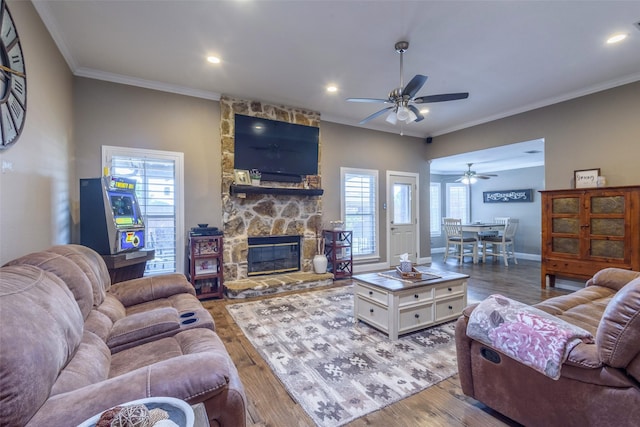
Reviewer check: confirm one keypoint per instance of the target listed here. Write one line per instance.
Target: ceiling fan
(471, 177)
(402, 98)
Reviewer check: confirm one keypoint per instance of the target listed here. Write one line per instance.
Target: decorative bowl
(203, 225)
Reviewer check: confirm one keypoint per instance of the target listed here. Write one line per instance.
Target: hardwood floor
(269, 404)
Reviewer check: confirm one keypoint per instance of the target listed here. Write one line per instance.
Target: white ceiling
(511, 56)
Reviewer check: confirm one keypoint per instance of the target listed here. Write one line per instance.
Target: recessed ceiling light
(616, 38)
(213, 59)
(332, 88)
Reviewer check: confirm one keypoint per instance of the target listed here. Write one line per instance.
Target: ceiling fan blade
(482, 177)
(376, 114)
(368, 100)
(414, 85)
(486, 175)
(441, 97)
(419, 116)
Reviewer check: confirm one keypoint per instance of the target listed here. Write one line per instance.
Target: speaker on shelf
(429, 140)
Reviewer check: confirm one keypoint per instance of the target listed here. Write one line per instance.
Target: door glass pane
(607, 205)
(402, 203)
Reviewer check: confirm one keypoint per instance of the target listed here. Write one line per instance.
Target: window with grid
(158, 176)
(359, 209)
(435, 209)
(458, 201)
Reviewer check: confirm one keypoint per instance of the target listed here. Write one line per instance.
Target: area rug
(335, 370)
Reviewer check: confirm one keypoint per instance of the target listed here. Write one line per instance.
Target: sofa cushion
(89, 365)
(70, 273)
(93, 266)
(41, 330)
(613, 278)
(138, 291)
(618, 336)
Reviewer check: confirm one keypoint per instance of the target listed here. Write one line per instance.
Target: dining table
(480, 227)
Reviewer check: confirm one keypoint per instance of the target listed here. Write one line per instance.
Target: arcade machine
(111, 224)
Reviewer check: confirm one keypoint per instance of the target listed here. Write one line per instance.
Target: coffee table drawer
(450, 289)
(374, 294)
(449, 308)
(416, 317)
(417, 297)
(373, 314)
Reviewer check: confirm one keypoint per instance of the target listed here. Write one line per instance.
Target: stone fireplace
(262, 215)
(273, 254)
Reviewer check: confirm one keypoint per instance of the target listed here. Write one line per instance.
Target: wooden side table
(128, 265)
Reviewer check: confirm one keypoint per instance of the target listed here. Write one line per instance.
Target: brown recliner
(599, 383)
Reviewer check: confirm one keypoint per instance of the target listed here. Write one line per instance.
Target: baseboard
(519, 255)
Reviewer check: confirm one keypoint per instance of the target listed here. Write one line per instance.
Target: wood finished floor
(269, 404)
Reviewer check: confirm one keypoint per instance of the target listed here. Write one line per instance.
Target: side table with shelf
(205, 266)
(338, 251)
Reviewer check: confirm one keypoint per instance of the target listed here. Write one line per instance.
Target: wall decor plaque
(508, 196)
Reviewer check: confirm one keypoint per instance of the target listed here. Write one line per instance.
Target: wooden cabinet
(586, 230)
(205, 266)
(338, 251)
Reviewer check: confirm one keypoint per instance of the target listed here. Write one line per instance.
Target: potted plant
(320, 259)
(255, 177)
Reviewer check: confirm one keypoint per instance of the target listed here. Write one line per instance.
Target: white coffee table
(397, 306)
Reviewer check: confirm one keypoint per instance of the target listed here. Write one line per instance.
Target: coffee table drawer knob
(371, 310)
(417, 316)
(449, 289)
(416, 296)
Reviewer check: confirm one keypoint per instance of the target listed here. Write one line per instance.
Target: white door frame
(388, 216)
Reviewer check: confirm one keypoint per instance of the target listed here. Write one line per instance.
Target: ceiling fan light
(391, 118)
(403, 113)
(473, 180)
(412, 117)
(465, 180)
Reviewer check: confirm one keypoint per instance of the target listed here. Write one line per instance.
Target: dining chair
(501, 245)
(456, 241)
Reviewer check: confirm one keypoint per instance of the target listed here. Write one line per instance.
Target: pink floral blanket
(524, 333)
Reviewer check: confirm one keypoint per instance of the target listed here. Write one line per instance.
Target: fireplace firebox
(273, 254)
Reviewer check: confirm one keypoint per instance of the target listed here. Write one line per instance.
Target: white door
(403, 216)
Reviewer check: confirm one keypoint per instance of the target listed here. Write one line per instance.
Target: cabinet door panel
(566, 225)
(565, 245)
(608, 205)
(566, 205)
(607, 227)
(607, 249)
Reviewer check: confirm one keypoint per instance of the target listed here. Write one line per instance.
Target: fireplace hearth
(273, 254)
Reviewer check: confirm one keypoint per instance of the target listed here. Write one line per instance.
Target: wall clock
(13, 81)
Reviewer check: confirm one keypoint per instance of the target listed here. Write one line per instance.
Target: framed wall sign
(241, 177)
(508, 196)
(586, 178)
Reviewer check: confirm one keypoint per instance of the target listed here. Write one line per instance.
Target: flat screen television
(281, 151)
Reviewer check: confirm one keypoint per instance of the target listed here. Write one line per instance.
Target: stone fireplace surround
(256, 215)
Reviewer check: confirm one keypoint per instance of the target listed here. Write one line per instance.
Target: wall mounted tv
(281, 151)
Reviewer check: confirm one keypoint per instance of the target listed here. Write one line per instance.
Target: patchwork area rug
(335, 370)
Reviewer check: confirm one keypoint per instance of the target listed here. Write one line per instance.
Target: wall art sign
(586, 178)
(508, 196)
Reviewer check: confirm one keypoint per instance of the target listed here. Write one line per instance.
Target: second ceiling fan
(402, 98)
(471, 177)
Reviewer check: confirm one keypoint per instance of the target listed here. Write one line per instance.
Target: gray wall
(35, 194)
(600, 130)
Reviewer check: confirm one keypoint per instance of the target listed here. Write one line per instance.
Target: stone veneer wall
(263, 214)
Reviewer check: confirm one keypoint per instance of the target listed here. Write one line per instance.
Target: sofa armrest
(614, 278)
(145, 289)
(202, 376)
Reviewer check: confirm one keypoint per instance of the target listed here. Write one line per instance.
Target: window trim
(108, 151)
(373, 173)
(438, 209)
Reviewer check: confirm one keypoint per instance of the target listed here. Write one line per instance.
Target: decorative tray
(413, 274)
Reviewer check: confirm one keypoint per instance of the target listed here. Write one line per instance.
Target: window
(458, 201)
(359, 209)
(435, 209)
(159, 189)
